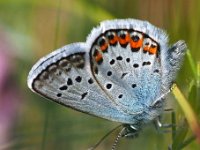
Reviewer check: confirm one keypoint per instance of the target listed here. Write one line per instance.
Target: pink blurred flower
(9, 94)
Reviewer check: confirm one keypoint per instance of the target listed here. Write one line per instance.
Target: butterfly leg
(169, 110)
(158, 124)
(130, 131)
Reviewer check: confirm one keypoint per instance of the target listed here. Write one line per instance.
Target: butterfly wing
(174, 57)
(64, 76)
(126, 63)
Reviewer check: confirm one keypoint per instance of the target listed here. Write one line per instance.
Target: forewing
(64, 76)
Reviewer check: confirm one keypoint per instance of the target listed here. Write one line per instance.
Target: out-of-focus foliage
(30, 29)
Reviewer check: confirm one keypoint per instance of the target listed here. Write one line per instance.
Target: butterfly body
(121, 73)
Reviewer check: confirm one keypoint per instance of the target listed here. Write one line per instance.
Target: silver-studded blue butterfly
(122, 72)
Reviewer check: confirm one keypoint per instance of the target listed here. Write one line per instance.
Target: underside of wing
(64, 76)
(126, 63)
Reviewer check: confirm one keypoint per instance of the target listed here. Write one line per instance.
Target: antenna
(104, 137)
(118, 138)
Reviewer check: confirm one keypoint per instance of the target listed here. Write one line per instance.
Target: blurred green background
(30, 29)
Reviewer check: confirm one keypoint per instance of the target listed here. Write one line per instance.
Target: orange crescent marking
(114, 40)
(104, 47)
(98, 57)
(126, 40)
(153, 50)
(136, 44)
(146, 48)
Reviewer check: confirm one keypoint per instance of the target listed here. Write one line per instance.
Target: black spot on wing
(90, 81)
(112, 62)
(59, 95)
(64, 87)
(109, 86)
(146, 63)
(120, 96)
(69, 81)
(119, 58)
(84, 95)
(109, 73)
(156, 71)
(133, 85)
(127, 60)
(78, 79)
(135, 65)
(123, 75)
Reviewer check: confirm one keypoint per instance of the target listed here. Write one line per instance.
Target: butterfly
(122, 72)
